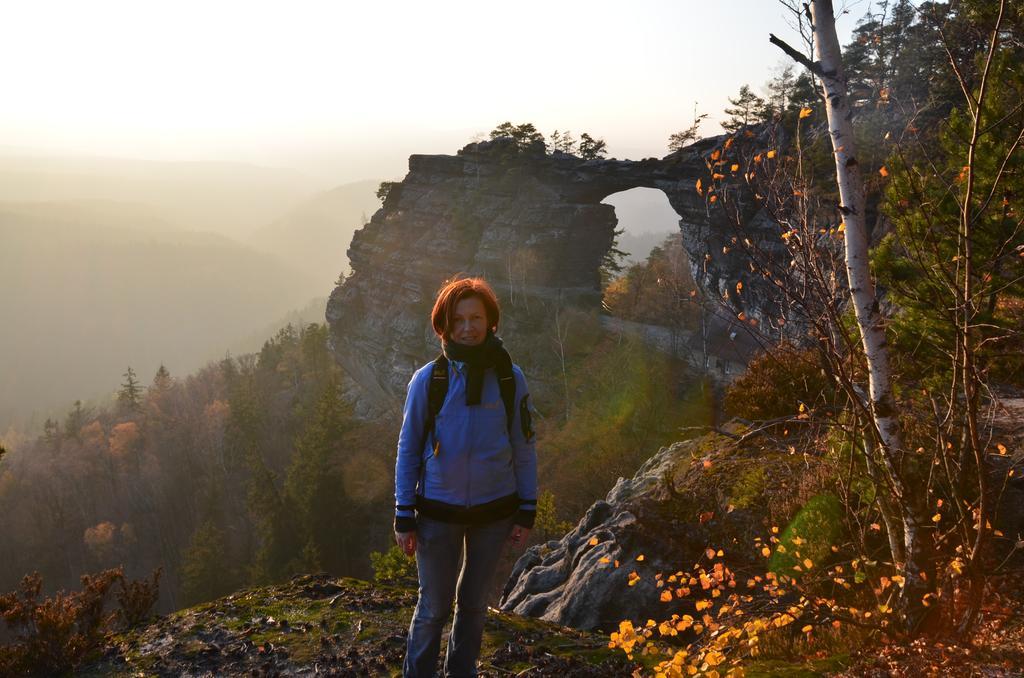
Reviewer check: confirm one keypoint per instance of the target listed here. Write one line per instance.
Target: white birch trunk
(851, 195)
(865, 304)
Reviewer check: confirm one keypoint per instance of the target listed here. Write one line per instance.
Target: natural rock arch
(531, 222)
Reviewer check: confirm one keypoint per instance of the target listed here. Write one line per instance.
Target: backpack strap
(437, 390)
(507, 387)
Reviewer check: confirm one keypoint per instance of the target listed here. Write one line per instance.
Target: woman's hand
(406, 541)
(517, 537)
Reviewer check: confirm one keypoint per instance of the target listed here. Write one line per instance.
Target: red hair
(455, 291)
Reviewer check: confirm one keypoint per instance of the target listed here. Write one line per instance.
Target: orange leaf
(884, 172)
(706, 516)
(735, 168)
(715, 154)
(806, 112)
(666, 596)
(593, 541)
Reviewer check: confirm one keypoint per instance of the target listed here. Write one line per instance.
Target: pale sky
(348, 90)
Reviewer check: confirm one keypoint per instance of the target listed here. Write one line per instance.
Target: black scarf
(489, 353)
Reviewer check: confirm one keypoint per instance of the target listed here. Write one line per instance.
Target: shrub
(54, 635)
(393, 567)
(776, 383)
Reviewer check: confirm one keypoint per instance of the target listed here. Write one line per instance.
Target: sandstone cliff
(531, 222)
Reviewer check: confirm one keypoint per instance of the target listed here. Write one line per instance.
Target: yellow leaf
(937, 517)
(605, 560)
(808, 563)
(766, 551)
(735, 167)
(770, 154)
(807, 629)
(806, 112)
(702, 605)
(640, 557)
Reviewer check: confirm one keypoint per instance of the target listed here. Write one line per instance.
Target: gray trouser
(439, 549)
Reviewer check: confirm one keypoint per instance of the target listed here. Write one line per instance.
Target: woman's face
(469, 324)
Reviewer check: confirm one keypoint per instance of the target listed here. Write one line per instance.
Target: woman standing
(465, 477)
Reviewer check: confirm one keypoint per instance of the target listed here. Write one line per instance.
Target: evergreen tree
(525, 134)
(129, 398)
(591, 148)
(75, 420)
(51, 433)
(162, 380)
(563, 142)
(611, 262)
(689, 135)
(206, 571)
(313, 484)
(747, 109)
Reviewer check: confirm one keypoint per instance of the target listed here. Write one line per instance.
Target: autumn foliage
(54, 635)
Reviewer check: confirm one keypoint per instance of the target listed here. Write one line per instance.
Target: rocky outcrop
(531, 222)
(686, 498)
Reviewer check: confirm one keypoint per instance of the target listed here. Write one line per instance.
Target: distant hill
(316, 233)
(87, 292)
(228, 198)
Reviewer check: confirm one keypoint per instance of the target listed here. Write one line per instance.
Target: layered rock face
(531, 223)
(683, 500)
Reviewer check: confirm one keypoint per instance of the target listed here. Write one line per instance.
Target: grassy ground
(318, 624)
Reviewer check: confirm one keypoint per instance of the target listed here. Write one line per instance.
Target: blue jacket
(479, 460)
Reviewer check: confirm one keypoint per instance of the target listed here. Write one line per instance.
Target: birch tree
(886, 444)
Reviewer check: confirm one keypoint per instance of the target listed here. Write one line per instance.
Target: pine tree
(689, 135)
(747, 109)
(162, 379)
(75, 420)
(129, 398)
(313, 486)
(591, 148)
(206, 572)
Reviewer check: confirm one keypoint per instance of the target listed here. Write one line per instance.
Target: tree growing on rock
(524, 134)
(746, 109)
